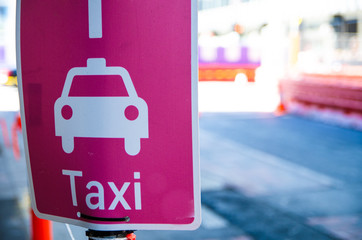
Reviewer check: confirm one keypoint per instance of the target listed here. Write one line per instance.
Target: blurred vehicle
(224, 64)
(224, 57)
(8, 77)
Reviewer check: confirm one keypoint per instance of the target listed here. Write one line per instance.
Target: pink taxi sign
(108, 95)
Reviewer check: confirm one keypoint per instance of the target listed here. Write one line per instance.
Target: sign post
(108, 94)
(116, 235)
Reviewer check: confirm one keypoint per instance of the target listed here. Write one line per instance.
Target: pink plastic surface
(152, 41)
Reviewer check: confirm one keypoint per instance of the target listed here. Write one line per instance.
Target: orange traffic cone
(131, 236)
(281, 109)
(41, 229)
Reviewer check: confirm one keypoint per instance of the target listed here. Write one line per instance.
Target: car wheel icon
(68, 144)
(132, 146)
(101, 117)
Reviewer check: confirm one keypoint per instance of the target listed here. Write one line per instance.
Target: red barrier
(15, 128)
(325, 91)
(41, 229)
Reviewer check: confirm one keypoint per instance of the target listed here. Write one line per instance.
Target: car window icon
(101, 117)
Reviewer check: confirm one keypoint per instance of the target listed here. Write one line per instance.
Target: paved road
(284, 177)
(263, 177)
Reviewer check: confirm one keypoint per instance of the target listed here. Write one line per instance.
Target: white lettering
(72, 175)
(119, 196)
(95, 199)
(99, 195)
(137, 191)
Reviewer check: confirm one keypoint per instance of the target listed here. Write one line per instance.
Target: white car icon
(101, 117)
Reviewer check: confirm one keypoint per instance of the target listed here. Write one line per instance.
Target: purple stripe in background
(2, 54)
(237, 55)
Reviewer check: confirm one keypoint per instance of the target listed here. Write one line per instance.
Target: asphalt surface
(263, 177)
(294, 178)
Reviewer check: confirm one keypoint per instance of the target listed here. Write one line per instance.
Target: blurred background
(280, 102)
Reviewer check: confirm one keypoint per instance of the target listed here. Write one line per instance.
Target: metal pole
(110, 235)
